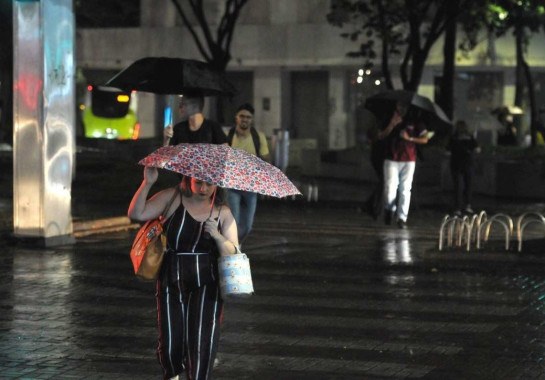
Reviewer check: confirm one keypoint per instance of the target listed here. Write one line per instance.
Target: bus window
(108, 113)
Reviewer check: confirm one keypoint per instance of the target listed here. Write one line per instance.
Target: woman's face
(202, 189)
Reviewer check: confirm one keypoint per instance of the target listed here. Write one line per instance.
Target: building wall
(272, 39)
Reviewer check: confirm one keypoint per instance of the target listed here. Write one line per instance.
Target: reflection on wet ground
(338, 296)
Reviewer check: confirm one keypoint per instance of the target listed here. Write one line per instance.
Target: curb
(105, 225)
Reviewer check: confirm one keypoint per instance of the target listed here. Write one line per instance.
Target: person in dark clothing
(373, 204)
(199, 229)
(463, 147)
(196, 128)
(508, 136)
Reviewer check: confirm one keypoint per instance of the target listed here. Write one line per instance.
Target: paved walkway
(338, 296)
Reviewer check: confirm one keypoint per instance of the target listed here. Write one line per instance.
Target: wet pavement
(338, 296)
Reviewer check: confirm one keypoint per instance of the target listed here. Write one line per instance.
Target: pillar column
(44, 119)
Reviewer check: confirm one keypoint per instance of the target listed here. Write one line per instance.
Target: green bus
(109, 113)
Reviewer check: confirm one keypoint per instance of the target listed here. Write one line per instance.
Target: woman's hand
(227, 240)
(211, 227)
(150, 175)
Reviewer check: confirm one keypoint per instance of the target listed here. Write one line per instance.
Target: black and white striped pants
(188, 313)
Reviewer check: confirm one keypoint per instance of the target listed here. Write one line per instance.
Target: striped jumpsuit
(189, 304)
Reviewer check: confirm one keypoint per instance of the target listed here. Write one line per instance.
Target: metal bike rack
(458, 229)
(467, 228)
(446, 220)
(504, 220)
(526, 219)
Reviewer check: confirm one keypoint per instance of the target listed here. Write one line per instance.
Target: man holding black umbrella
(196, 128)
(402, 134)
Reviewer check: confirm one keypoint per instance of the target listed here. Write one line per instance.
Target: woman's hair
(220, 198)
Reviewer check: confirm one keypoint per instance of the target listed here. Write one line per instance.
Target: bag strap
(256, 140)
(167, 208)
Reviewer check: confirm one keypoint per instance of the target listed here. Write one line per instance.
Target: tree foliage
(523, 18)
(214, 46)
(406, 29)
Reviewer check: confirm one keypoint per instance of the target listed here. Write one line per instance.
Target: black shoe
(388, 217)
(402, 224)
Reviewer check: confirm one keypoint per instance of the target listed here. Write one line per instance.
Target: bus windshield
(110, 103)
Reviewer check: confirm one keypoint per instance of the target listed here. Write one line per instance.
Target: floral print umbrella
(223, 166)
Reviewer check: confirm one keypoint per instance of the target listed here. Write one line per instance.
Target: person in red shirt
(402, 134)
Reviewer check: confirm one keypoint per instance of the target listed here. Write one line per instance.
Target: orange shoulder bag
(148, 248)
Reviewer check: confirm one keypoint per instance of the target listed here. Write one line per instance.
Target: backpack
(255, 138)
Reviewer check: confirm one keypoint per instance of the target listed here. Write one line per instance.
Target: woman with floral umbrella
(199, 228)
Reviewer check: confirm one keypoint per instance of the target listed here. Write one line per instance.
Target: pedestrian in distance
(244, 136)
(195, 128)
(402, 134)
(462, 146)
(375, 203)
(199, 228)
(508, 136)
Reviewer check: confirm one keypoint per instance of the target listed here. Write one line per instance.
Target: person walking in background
(509, 135)
(195, 128)
(462, 146)
(404, 131)
(375, 135)
(198, 228)
(244, 136)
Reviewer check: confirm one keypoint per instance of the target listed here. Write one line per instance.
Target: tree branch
(191, 31)
(232, 23)
(198, 10)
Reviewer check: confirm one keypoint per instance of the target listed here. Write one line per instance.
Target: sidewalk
(104, 184)
(338, 295)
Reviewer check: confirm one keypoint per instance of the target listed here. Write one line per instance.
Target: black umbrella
(172, 76)
(383, 104)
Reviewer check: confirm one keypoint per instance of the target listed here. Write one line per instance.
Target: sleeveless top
(185, 235)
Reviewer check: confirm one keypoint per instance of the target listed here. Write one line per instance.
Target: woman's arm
(143, 209)
(227, 239)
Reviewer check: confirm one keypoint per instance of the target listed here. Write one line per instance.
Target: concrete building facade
(292, 65)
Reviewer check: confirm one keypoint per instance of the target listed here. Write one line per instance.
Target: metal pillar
(44, 120)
